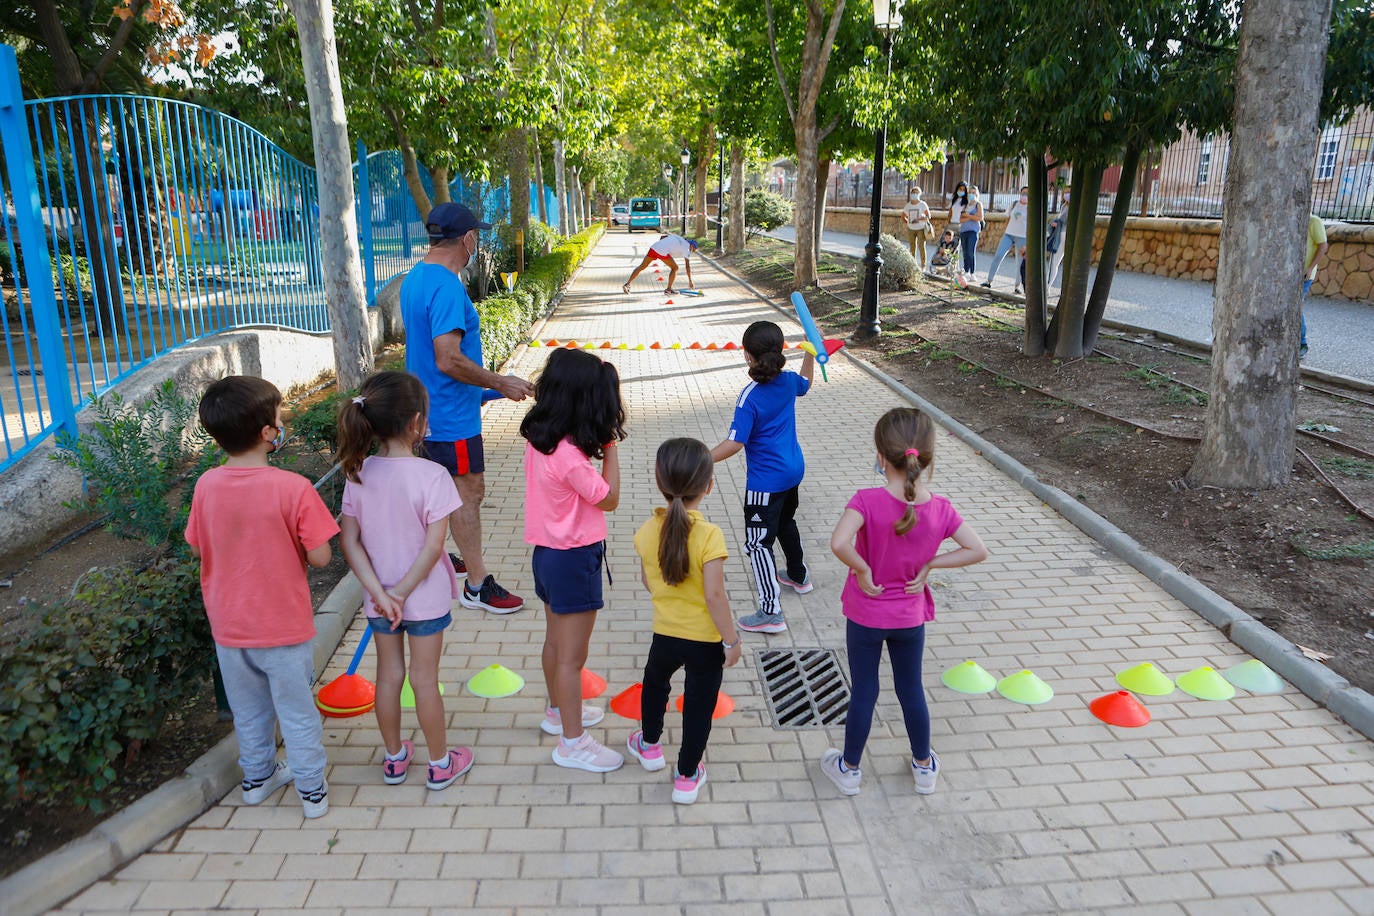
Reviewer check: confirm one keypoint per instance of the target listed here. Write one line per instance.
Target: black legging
(904, 650)
(705, 664)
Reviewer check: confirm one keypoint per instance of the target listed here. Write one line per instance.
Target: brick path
(1258, 805)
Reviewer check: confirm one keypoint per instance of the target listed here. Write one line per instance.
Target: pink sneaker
(686, 788)
(650, 756)
(394, 771)
(587, 754)
(458, 762)
(553, 719)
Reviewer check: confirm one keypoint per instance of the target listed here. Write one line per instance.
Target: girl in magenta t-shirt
(395, 518)
(890, 539)
(577, 417)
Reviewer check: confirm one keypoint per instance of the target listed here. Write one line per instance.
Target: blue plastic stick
(813, 333)
(362, 648)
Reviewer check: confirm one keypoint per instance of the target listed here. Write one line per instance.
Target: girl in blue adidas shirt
(765, 426)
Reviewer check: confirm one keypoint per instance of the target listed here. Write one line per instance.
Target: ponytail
(905, 438)
(383, 408)
(672, 542)
(356, 437)
(913, 471)
(682, 469)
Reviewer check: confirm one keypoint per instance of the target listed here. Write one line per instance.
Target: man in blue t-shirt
(444, 350)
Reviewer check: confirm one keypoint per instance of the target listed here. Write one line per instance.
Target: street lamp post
(686, 158)
(668, 178)
(887, 17)
(720, 200)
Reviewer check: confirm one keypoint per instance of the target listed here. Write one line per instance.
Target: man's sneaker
(686, 788)
(553, 719)
(803, 587)
(257, 791)
(315, 803)
(987, 283)
(846, 780)
(925, 775)
(458, 762)
(458, 565)
(587, 754)
(1302, 352)
(759, 622)
(650, 756)
(491, 597)
(394, 771)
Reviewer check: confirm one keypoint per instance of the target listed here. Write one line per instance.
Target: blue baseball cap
(452, 221)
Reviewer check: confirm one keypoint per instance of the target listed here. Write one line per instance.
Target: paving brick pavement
(1257, 805)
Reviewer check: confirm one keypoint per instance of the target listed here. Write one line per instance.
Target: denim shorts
(568, 580)
(382, 627)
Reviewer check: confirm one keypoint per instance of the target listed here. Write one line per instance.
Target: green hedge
(507, 317)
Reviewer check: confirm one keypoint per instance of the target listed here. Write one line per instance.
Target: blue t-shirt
(766, 424)
(434, 302)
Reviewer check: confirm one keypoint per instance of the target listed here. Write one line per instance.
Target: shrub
(899, 269)
(97, 678)
(539, 240)
(765, 211)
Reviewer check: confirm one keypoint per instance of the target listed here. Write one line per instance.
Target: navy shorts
(568, 580)
(466, 456)
(382, 627)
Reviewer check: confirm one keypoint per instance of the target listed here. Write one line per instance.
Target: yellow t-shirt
(680, 610)
(1316, 235)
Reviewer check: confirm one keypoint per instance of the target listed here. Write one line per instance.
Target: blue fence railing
(130, 226)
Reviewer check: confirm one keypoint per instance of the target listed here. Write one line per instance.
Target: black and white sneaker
(257, 791)
(315, 803)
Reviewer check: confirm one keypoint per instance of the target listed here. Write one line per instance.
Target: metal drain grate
(805, 688)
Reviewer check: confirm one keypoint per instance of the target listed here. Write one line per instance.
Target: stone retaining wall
(1185, 248)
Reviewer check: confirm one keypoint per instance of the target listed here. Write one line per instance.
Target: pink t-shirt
(895, 559)
(253, 527)
(395, 503)
(561, 493)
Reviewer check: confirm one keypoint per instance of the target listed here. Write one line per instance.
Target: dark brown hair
(576, 397)
(900, 430)
(683, 471)
(236, 408)
(763, 341)
(382, 409)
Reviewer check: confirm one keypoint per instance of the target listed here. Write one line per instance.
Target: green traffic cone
(408, 695)
(1025, 687)
(968, 677)
(1205, 684)
(494, 682)
(1254, 676)
(1147, 679)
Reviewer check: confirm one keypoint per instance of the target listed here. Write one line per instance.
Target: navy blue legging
(904, 650)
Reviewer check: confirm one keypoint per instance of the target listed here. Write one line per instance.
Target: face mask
(878, 468)
(281, 438)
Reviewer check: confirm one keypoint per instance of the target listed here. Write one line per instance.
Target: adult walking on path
(1256, 804)
(668, 249)
(918, 229)
(444, 349)
(1013, 239)
(1312, 259)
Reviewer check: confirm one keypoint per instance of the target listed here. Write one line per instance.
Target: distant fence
(130, 226)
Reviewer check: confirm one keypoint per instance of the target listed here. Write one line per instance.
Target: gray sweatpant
(267, 686)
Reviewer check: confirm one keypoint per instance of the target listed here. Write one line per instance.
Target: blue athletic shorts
(569, 580)
(382, 627)
(466, 456)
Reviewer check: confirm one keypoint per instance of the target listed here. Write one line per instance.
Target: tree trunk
(411, 168)
(539, 177)
(702, 173)
(560, 187)
(1248, 436)
(1065, 335)
(734, 240)
(822, 177)
(1111, 249)
(1033, 343)
(518, 167)
(804, 202)
(438, 176)
(344, 296)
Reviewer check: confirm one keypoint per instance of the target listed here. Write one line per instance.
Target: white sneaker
(847, 781)
(587, 754)
(257, 791)
(553, 719)
(925, 775)
(687, 788)
(316, 803)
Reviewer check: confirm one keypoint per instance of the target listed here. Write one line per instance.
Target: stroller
(945, 262)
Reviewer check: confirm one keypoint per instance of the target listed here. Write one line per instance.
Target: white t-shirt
(956, 212)
(1016, 219)
(674, 246)
(917, 215)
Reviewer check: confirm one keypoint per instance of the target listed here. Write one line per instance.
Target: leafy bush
(318, 422)
(97, 678)
(765, 211)
(67, 291)
(539, 240)
(899, 267)
(132, 458)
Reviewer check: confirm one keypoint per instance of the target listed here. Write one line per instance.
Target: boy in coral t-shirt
(254, 527)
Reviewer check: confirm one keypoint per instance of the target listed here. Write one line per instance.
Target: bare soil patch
(1117, 430)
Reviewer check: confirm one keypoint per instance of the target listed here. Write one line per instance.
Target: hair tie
(358, 399)
(914, 452)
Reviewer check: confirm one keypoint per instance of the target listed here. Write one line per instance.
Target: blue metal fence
(130, 226)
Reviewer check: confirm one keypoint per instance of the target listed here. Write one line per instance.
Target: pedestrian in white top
(668, 249)
(1013, 238)
(917, 213)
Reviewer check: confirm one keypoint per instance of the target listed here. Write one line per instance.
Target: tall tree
(1248, 437)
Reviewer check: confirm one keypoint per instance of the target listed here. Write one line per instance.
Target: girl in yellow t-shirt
(682, 564)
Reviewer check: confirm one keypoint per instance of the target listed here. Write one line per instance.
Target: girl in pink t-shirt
(395, 518)
(577, 417)
(890, 539)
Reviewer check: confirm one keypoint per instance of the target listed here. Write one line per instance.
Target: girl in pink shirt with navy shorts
(577, 417)
(394, 521)
(890, 539)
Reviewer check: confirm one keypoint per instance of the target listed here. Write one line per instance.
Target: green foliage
(132, 458)
(765, 211)
(1303, 544)
(97, 677)
(318, 422)
(899, 269)
(1356, 468)
(539, 240)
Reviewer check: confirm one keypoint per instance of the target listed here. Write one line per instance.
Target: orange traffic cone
(724, 705)
(626, 703)
(1120, 708)
(593, 684)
